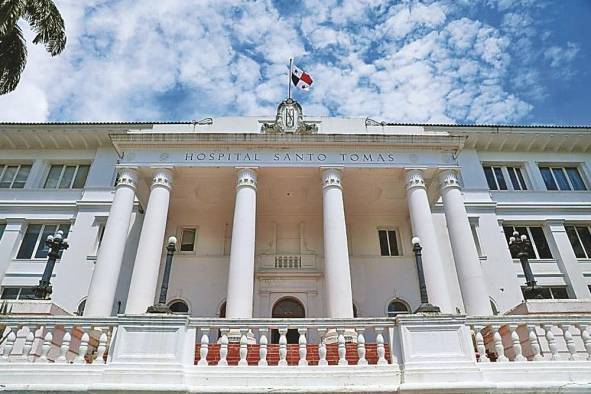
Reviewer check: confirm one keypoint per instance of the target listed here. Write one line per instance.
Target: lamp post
(520, 246)
(161, 306)
(425, 306)
(56, 243)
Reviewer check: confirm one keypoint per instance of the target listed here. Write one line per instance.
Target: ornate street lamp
(56, 243)
(520, 246)
(425, 306)
(161, 306)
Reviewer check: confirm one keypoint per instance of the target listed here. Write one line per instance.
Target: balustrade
(531, 338)
(49, 340)
(319, 342)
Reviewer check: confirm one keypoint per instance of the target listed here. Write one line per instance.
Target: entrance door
(287, 308)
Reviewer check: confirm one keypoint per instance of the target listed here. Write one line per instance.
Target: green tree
(45, 20)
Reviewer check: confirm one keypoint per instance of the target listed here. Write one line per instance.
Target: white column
(103, 284)
(241, 271)
(13, 234)
(144, 279)
(567, 260)
(472, 283)
(423, 227)
(337, 273)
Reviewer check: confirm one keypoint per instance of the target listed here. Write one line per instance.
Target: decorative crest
(289, 119)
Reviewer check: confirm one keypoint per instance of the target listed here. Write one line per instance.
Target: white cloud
(559, 57)
(409, 62)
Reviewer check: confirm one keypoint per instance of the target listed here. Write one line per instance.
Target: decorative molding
(414, 178)
(448, 178)
(162, 177)
(127, 177)
(332, 177)
(289, 120)
(246, 177)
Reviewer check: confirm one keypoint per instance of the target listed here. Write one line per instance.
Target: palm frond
(10, 12)
(46, 21)
(13, 57)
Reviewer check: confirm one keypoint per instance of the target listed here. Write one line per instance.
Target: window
(188, 239)
(2, 227)
(397, 307)
(562, 178)
(496, 177)
(14, 176)
(580, 240)
(66, 176)
(539, 249)
(17, 293)
(388, 243)
(179, 306)
(552, 292)
(33, 245)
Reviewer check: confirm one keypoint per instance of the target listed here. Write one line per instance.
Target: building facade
(292, 216)
(230, 181)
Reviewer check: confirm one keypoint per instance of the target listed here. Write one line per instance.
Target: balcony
(409, 353)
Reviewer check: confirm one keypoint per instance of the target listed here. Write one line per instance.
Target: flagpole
(289, 79)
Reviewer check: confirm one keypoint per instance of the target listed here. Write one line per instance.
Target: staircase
(213, 355)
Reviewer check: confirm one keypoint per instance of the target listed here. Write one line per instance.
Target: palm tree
(44, 18)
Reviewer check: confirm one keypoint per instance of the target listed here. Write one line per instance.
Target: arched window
(81, 306)
(397, 307)
(178, 306)
(355, 312)
(222, 313)
(288, 308)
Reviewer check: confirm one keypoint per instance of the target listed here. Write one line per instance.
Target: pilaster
(566, 259)
(13, 233)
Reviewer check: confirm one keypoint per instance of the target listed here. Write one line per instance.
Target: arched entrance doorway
(287, 308)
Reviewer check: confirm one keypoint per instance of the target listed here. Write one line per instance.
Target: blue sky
(460, 61)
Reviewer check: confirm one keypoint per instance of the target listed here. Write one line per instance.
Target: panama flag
(300, 78)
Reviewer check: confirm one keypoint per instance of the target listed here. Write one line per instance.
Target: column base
(159, 308)
(427, 308)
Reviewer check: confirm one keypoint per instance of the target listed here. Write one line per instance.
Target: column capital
(448, 178)
(162, 176)
(414, 177)
(246, 176)
(332, 177)
(128, 176)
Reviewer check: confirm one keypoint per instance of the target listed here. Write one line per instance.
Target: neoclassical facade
(321, 212)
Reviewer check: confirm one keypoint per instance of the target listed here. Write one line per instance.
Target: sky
(432, 61)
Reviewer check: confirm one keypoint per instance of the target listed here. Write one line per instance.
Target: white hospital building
(294, 268)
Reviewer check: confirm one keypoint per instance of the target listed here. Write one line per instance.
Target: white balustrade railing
(531, 338)
(59, 340)
(293, 342)
(288, 262)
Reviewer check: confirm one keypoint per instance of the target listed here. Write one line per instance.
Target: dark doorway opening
(287, 308)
